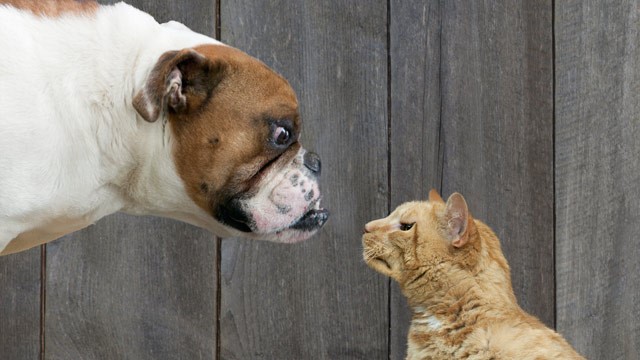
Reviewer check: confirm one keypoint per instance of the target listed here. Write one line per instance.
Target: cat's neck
(449, 314)
(459, 295)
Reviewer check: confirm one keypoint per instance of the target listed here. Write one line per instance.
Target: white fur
(72, 147)
(431, 321)
(424, 317)
(423, 321)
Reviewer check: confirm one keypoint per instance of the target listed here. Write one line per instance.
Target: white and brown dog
(102, 109)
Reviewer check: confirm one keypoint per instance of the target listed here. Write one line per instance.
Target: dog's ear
(180, 82)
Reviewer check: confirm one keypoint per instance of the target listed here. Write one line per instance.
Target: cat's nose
(369, 227)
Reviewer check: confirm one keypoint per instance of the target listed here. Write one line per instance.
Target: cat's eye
(405, 227)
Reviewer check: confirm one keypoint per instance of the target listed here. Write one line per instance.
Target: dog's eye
(281, 136)
(405, 227)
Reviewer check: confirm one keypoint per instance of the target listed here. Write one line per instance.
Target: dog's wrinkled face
(235, 125)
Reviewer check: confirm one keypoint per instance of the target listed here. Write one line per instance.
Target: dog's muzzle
(286, 206)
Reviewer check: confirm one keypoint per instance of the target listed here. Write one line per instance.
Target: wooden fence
(531, 109)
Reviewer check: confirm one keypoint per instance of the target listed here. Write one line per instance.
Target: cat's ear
(456, 216)
(434, 196)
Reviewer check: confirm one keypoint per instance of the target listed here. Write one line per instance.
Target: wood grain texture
(598, 177)
(415, 152)
(316, 300)
(198, 15)
(20, 305)
(471, 109)
(497, 132)
(132, 288)
(135, 288)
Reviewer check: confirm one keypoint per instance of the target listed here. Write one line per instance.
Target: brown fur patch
(196, 75)
(222, 143)
(54, 8)
(463, 301)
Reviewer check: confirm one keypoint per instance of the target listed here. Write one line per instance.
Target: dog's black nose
(312, 162)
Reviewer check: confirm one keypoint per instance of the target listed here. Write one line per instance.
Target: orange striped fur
(458, 284)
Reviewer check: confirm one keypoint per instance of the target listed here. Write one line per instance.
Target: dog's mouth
(312, 220)
(233, 216)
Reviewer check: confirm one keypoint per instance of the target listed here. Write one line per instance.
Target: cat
(458, 284)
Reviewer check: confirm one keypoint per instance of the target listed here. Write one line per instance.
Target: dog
(103, 109)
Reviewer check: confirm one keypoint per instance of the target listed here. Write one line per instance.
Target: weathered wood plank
(472, 112)
(198, 15)
(598, 176)
(416, 164)
(135, 288)
(316, 300)
(497, 132)
(20, 305)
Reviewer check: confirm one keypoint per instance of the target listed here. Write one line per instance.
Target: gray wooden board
(131, 288)
(135, 288)
(316, 300)
(483, 72)
(497, 132)
(20, 305)
(598, 176)
(416, 164)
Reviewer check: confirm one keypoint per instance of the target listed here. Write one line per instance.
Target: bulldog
(103, 109)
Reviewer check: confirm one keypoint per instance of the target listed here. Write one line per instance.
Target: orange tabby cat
(452, 271)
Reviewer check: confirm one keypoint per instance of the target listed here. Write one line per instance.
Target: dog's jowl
(102, 109)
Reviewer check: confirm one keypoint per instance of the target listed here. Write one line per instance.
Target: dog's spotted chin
(233, 215)
(291, 236)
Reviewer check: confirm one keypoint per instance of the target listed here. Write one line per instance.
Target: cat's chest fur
(435, 337)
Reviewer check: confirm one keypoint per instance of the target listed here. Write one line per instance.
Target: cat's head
(420, 235)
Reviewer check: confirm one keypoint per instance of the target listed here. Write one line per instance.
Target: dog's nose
(312, 162)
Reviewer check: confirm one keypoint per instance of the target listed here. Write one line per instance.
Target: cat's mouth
(382, 262)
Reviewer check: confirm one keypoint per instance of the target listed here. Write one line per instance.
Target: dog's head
(235, 128)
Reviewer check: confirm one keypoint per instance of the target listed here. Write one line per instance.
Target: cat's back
(522, 336)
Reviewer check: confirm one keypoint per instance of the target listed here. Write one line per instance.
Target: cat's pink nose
(369, 227)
